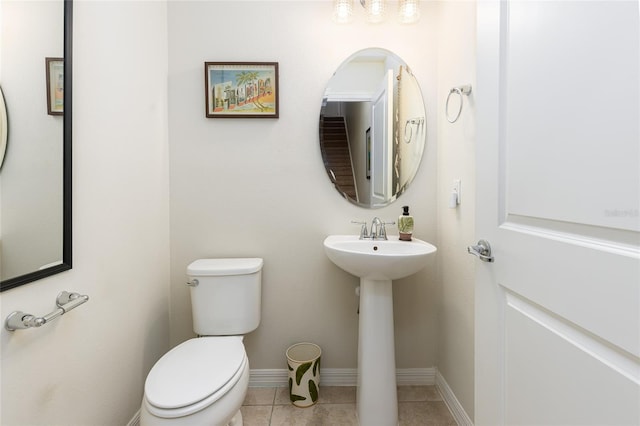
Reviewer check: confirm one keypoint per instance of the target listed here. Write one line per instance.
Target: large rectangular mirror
(35, 173)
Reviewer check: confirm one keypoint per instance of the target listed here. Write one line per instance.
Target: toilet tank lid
(221, 267)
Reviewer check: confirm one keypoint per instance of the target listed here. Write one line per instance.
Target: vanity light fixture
(408, 10)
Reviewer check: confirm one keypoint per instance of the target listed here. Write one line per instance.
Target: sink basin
(378, 259)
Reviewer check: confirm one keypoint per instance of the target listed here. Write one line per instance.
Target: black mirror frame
(66, 191)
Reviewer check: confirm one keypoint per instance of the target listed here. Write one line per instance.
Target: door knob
(482, 250)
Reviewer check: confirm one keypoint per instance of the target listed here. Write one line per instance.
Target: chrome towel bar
(65, 301)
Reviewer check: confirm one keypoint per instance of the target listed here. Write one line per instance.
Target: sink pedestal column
(377, 399)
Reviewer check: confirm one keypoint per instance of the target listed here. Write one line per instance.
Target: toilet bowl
(204, 380)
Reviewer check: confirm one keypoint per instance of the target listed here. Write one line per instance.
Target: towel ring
(462, 90)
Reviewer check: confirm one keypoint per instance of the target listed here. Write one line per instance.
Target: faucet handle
(382, 233)
(363, 229)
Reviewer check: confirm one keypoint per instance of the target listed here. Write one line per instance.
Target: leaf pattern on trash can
(313, 391)
(290, 367)
(293, 397)
(301, 370)
(316, 366)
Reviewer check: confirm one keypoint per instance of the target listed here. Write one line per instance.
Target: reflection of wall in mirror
(31, 184)
(356, 79)
(410, 106)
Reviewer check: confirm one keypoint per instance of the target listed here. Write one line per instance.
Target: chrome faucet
(378, 230)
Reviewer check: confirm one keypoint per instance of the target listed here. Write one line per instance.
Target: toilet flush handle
(193, 283)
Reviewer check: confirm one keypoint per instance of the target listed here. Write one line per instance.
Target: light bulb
(342, 11)
(375, 10)
(409, 11)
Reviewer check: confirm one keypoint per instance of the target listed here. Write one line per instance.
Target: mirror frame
(66, 164)
(3, 128)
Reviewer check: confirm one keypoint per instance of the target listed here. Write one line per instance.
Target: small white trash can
(303, 362)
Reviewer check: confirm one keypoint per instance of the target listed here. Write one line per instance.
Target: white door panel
(585, 283)
(569, 71)
(558, 198)
(551, 387)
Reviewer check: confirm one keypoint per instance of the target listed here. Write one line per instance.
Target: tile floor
(417, 406)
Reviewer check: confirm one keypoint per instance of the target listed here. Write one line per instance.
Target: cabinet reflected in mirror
(372, 128)
(35, 178)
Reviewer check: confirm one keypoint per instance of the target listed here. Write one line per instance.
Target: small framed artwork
(368, 152)
(241, 89)
(55, 86)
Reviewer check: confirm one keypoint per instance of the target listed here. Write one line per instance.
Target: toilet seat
(194, 375)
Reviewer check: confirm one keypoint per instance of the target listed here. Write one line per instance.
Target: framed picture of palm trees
(241, 89)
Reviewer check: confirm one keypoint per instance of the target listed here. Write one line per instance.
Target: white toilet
(203, 381)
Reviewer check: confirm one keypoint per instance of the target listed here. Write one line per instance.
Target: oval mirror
(372, 128)
(3, 128)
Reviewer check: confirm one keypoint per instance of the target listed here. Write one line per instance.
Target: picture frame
(241, 89)
(55, 86)
(368, 152)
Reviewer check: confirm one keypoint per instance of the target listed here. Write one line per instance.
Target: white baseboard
(416, 376)
(268, 378)
(341, 377)
(460, 416)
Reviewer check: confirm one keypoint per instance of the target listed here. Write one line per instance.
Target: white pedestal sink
(377, 263)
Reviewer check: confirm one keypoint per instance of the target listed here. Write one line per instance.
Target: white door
(558, 187)
(382, 141)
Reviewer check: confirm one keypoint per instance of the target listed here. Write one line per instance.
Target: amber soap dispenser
(405, 224)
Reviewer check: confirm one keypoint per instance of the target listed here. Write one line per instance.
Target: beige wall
(456, 160)
(238, 188)
(88, 367)
(258, 187)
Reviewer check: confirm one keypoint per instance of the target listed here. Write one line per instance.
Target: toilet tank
(225, 295)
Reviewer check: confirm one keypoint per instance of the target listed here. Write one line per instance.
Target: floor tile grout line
(275, 395)
(271, 415)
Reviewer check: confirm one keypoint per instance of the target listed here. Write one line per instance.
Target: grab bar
(65, 301)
